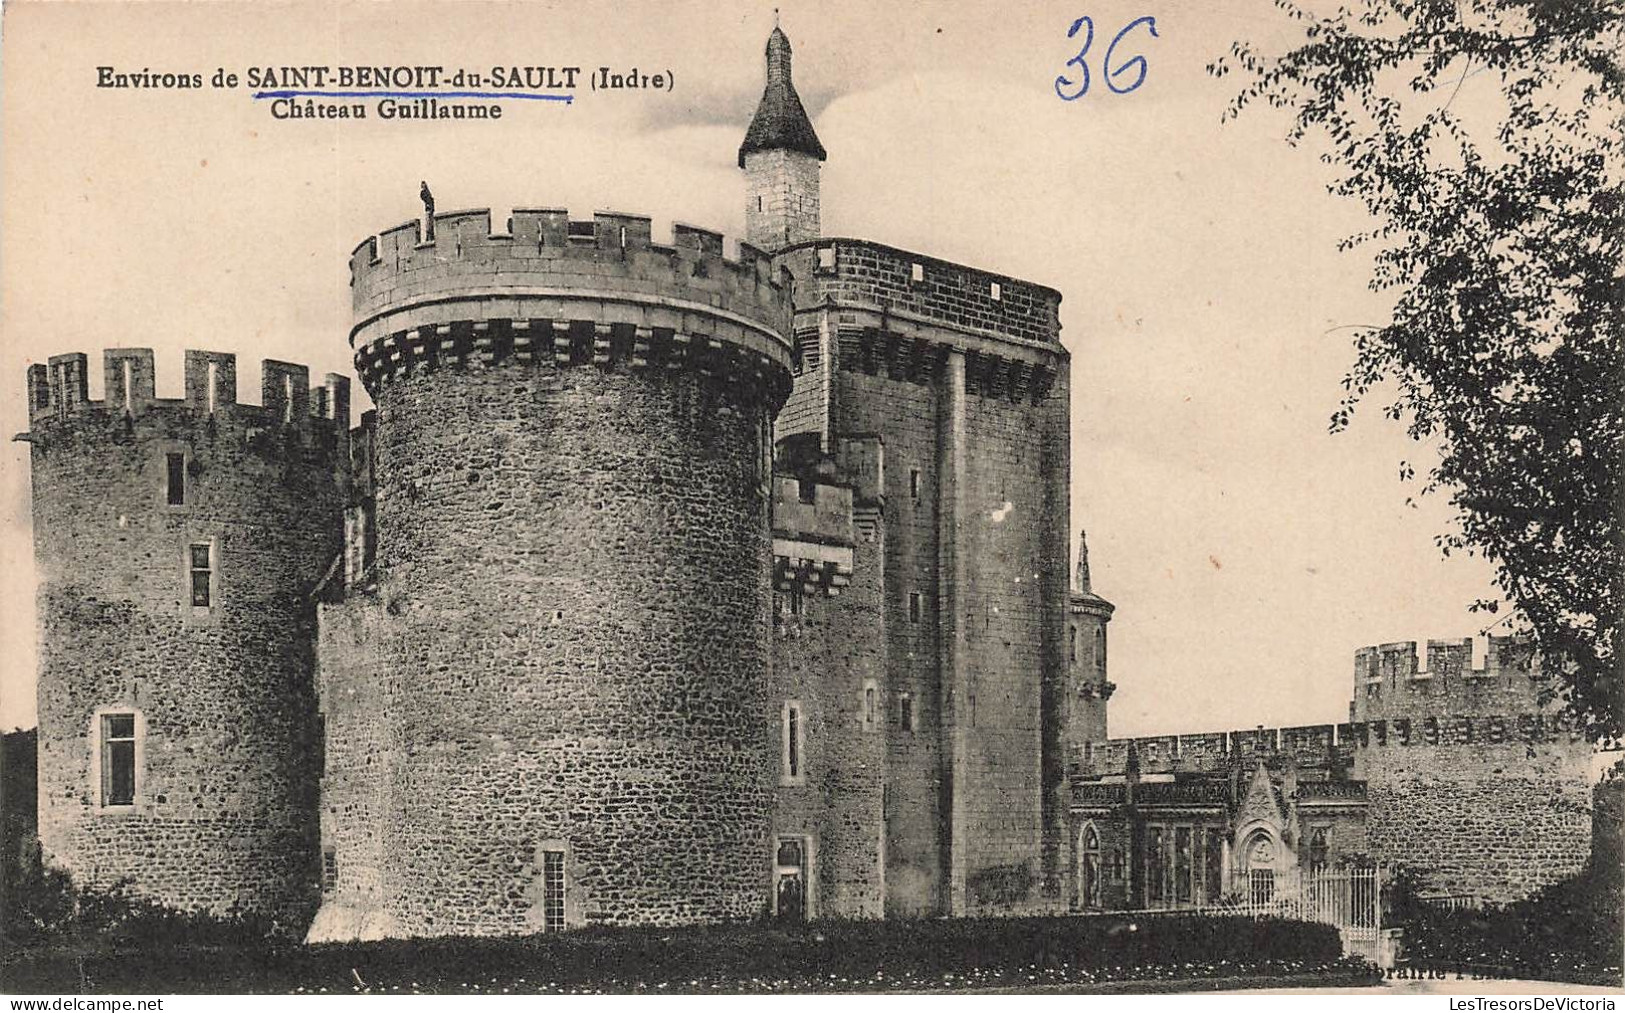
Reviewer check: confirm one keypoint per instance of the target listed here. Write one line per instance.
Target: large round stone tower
(552, 686)
(178, 543)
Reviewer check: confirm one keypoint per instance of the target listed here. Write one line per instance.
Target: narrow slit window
(914, 483)
(202, 567)
(553, 891)
(906, 712)
(177, 479)
(793, 754)
(871, 705)
(792, 731)
(916, 606)
(118, 759)
(330, 870)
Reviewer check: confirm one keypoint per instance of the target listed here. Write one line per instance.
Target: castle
(665, 587)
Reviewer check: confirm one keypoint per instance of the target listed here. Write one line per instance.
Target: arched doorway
(1089, 867)
(1260, 854)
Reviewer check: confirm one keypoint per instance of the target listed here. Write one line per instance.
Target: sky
(1209, 313)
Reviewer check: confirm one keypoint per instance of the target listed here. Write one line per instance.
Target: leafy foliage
(1569, 931)
(1499, 233)
(44, 909)
(862, 956)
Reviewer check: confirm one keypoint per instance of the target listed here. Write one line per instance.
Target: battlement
(813, 535)
(1503, 656)
(859, 273)
(1396, 681)
(1316, 746)
(542, 248)
(567, 293)
(58, 390)
(1307, 746)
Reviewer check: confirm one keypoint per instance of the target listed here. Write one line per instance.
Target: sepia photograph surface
(697, 498)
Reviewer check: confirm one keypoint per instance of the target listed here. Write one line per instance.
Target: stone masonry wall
(1013, 580)
(572, 622)
(570, 626)
(781, 198)
(828, 650)
(1475, 778)
(1490, 821)
(957, 370)
(227, 751)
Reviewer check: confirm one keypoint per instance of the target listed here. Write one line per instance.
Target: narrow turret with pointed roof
(780, 156)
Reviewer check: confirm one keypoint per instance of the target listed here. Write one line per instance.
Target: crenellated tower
(780, 156)
(1475, 775)
(551, 683)
(178, 543)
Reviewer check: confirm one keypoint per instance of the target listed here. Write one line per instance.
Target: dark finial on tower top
(1083, 562)
(780, 122)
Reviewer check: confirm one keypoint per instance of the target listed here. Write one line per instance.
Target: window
(1072, 644)
(176, 484)
(1089, 867)
(330, 870)
(914, 483)
(758, 202)
(1213, 865)
(1154, 859)
(905, 708)
(1100, 649)
(792, 726)
(916, 273)
(915, 606)
(1318, 847)
(118, 759)
(871, 704)
(995, 291)
(202, 567)
(1183, 870)
(552, 891)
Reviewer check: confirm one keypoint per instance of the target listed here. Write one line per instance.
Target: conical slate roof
(780, 122)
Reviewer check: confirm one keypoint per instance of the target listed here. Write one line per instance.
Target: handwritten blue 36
(1069, 90)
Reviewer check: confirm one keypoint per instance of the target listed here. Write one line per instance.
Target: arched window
(1260, 856)
(1318, 848)
(1089, 867)
(1072, 643)
(1100, 649)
